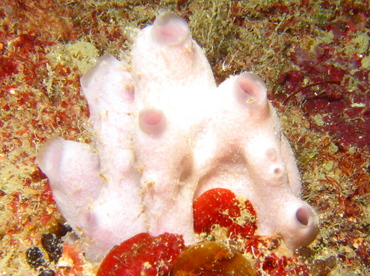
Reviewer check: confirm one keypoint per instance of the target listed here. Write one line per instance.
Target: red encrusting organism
(143, 254)
(220, 206)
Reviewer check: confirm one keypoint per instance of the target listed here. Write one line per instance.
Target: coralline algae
(164, 133)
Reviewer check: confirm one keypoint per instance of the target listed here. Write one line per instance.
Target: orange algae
(211, 258)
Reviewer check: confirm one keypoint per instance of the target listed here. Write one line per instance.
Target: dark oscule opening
(152, 121)
(303, 215)
(252, 87)
(170, 29)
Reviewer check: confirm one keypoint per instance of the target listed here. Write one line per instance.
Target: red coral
(220, 206)
(143, 254)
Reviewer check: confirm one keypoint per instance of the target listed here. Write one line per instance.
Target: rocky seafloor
(313, 55)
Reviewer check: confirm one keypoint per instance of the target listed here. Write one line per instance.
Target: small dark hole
(303, 216)
(47, 272)
(62, 230)
(277, 171)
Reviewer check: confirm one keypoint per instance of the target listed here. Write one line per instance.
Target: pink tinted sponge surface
(164, 133)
